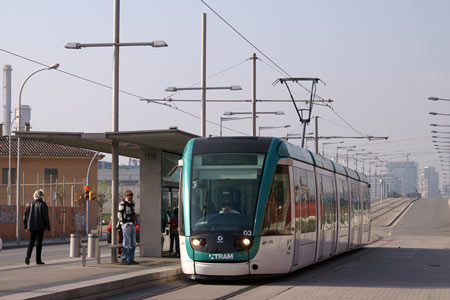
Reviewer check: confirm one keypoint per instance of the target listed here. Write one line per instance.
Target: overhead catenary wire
(274, 63)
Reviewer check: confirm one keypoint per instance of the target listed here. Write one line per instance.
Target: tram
(260, 206)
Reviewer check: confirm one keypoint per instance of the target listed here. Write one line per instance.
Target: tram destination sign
(229, 159)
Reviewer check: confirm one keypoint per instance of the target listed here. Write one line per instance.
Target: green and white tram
(254, 206)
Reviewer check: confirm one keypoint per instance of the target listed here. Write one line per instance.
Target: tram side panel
(276, 248)
(344, 214)
(305, 199)
(355, 214)
(327, 214)
(366, 213)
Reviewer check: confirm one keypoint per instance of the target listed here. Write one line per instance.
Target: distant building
(429, 183)
(403, 178)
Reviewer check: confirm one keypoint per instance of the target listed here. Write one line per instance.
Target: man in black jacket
(36, 220)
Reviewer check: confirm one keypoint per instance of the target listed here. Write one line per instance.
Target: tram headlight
(198, 242)
(244, 242)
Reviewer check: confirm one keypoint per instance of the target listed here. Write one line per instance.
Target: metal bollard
(93, 246)
(75, 242)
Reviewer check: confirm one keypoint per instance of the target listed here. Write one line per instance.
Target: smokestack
(6, 99)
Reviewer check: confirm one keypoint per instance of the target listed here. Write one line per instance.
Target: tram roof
(340, 169)
(131, 143)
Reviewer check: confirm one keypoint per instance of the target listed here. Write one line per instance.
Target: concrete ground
(67, 279)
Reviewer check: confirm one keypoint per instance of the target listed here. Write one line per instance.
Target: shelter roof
(131, 143)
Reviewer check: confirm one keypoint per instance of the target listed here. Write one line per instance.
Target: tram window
(328, 213)
(224, 178)
(356, 203)
(181, 206)
(277, 219)
(343, 199)
(304, 206)
(298, 198)
(311, 204)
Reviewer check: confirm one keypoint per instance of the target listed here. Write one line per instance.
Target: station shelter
(158, 152)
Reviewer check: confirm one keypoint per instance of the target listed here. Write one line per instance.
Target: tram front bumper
(222, 269)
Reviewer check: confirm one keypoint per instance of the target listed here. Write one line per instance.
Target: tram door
(305, 215)
(297, 216)
(328, 215)
(169, 202)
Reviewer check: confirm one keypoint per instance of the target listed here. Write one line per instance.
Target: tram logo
(219, 256)
(220, 239)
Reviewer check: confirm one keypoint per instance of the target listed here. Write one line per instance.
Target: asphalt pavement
(66, 278)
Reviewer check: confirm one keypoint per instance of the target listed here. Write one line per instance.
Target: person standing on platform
(127, 219)
(36, 221)
(174, 237)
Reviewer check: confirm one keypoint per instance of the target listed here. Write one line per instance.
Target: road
(409, 260)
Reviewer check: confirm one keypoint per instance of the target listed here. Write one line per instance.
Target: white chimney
(6, 99)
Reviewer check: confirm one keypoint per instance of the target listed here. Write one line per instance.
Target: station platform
(66, 278)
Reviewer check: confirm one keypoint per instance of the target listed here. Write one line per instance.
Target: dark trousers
(35, 236)
(175, 238)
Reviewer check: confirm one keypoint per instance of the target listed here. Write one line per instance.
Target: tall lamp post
(115, 111)
(19, 120)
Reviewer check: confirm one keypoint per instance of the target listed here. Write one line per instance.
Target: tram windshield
(224, 192)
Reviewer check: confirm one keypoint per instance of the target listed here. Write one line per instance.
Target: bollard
(93, 246)
(75, 242)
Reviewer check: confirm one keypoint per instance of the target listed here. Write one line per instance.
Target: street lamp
(223, 119)
(436, 113)
(231, 88)
(337, 151)
(436, 99)
(271, 127)
(439, 125)
(434, 131)
(115, 111)
(19, 121)
(203, 107)
(334, 143)
(230, 113)
(155, 44)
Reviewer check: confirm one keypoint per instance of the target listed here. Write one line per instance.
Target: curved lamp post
(19, 120)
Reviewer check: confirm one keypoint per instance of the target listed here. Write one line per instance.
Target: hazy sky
(380, 61)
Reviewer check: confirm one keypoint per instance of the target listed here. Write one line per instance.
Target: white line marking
(403, 213)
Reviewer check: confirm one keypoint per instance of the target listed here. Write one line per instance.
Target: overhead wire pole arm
(314, 81)
(148, 100)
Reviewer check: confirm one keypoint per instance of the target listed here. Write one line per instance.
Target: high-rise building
(429, 183)
(403, 177)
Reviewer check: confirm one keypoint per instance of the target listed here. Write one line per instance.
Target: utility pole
(316, 137)
(203, 76)
(254, 95)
